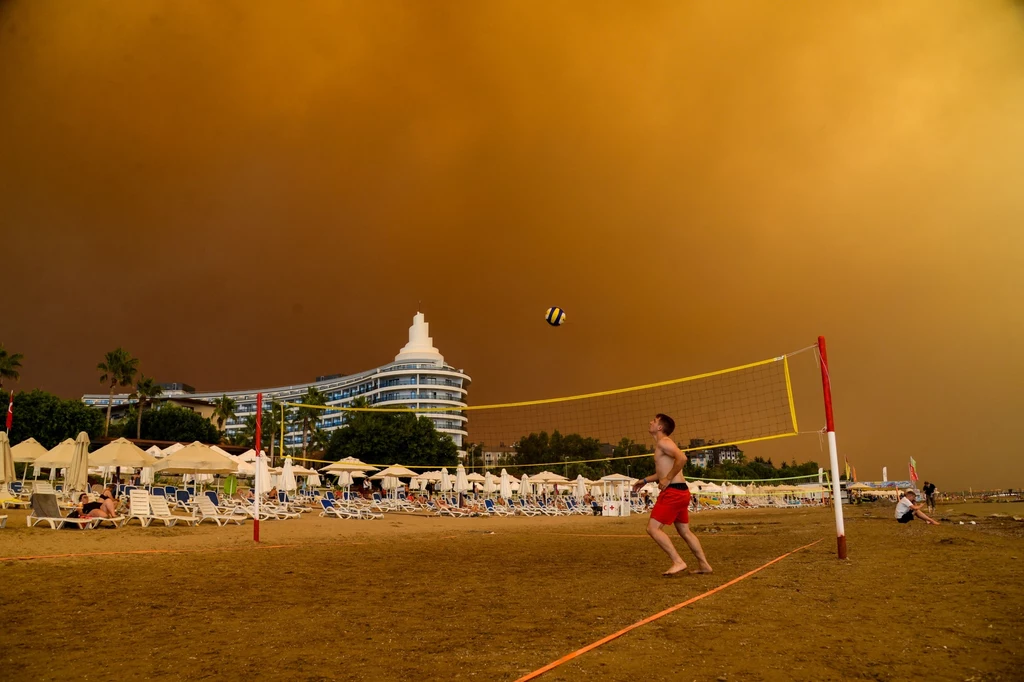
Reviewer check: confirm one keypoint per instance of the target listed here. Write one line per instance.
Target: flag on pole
(854, 474)
(913, 470)
(847, 468)
(10, 412)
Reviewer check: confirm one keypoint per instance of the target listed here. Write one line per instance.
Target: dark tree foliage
(50, 419)
(390, 437)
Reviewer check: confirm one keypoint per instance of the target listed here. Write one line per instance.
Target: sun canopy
(196, 457)
(121, 453)
(59, 456)
(394, 471)
(28, 450)
(348, 464)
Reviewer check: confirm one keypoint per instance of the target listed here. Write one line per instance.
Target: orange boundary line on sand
(643, 535)
(141, 551)
(565, 659)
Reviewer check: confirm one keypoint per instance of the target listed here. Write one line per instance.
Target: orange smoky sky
(248, 194)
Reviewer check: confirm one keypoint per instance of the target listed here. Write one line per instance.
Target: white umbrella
(154, 451)
(6, 460)
(488, 483)
(313, 480)
(347, 464)
(121, 453)
(27, 450)
(461, 484)
(345, 478)
(77, 477)
(262, 483)
(446, 481)
(475, 477)
(581, 487)
(171, 449)
(196, 458)
(288, 476)
(525, 485)
(146, 477)
(58, 457)
(505, 487)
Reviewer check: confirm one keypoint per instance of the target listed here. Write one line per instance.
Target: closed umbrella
(446, 481)
(505, 487)
(262, 482)
(461, 482)
(6, 460)
(581, 487)
(524, 485)
(313, 480)
(288, 476)
(77, 477)
(488, 483)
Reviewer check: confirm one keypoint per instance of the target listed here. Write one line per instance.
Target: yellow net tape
(735, 406)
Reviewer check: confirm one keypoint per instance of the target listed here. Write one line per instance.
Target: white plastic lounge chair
(161, 512)
(138, 507)
(3, 521)
(208, 511)
(9, 499)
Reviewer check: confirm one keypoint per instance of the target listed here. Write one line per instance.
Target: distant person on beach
(907, 510)
(673, 504)
(929, 495)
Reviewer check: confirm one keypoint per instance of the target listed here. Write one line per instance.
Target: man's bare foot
(934, 523)
(703, 570)
(676, 568)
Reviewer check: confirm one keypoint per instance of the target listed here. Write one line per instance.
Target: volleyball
(555, 316)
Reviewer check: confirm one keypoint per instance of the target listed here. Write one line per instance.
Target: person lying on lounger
(85, 507)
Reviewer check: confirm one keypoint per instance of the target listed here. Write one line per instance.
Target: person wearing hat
(906, 510)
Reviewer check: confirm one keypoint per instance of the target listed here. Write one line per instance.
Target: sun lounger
(45, 509)
(161, 512)
(3, 521)
(8, 499)
(338, 512)
(138, 508)
(208, 511)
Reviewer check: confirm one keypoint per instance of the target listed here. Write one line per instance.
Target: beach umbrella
(581, 487)
(230, 484)
(461, 483)
(446, 481)
(344, 478)
(27, 450)
(524, 485)
(347, 464)
(121, 453)
(171, 449)
(77, 477)
(288, 476)
(488, 483)
(154, 451)
(547, 477)
(146, 476)
(6, 460)
(313, 480)
(59, 456)
(505, 487)
(196, 458)
(394, 471)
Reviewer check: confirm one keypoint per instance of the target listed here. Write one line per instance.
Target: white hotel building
(419, 379)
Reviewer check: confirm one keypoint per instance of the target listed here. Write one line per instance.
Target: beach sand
(418, 598)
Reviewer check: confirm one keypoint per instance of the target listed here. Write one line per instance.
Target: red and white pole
(833, 453)
(259, 444)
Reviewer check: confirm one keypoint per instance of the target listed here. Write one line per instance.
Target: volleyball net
(712, 411)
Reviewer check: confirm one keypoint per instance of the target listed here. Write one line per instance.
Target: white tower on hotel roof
(420, 347)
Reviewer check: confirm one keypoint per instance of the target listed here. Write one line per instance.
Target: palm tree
(310, 415)
(272, 424)
(145, 388)
(10, 363)
(320, 439)
(223, 410)
(119, 368)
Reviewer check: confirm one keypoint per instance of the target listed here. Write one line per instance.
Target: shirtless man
(673, 503)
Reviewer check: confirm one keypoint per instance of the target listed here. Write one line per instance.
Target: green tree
(145, 389)
(394, 437)
(169, 422)
(118, 368)
(50, 419)
(320, 439)
(309, 416)
(223, 410)
(10, 365)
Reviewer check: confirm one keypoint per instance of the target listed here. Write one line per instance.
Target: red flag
(913, 470)
(10, 412)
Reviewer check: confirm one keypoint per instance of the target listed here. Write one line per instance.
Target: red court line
(644, 535)
(141, 551)
(568, 657)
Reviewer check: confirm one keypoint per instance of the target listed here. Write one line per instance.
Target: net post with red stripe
(259, 446)
(833, 453)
